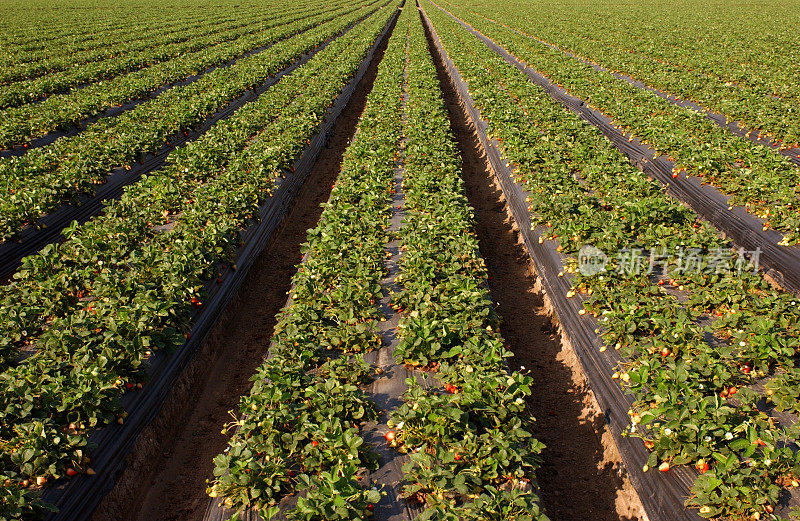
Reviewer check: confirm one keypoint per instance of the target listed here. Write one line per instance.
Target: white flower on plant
(707, 439)
(767, 462)
(729, 436)
(742, 343)
(667, 431)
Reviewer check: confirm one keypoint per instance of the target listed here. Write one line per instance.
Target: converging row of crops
(471, 452)
(700, 349)
(81, 318)
(646, 169)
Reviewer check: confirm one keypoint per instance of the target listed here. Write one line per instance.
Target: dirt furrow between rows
(166, 476)
(582, 476)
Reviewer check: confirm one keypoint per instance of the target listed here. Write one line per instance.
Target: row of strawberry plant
(136, 55)
(58, 280)
(89, 356)
(22, 124)
(20, 64)
(765, 183)
(299, 426)
(43, 179)
(762, 107)
(692, 400)
(472, 454)
(83, 35)
(74, 28)
(132, 38)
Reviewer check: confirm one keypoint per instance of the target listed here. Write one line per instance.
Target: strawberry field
(548, 261)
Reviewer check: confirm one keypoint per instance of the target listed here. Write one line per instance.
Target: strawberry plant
(763, 182)
(471, 451)
(733, 73)
(693, 342)
(132, 56)
(46, 178)
(27, 122)
(299, 426)
(122, 299)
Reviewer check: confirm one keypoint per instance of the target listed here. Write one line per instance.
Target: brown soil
(581, 477)
(165, 477)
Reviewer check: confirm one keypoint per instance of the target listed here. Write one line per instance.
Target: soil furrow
(581, 476)
(165, 477)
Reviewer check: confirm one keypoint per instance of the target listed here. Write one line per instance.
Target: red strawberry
(314, 443)
(72, 472)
